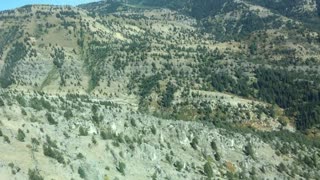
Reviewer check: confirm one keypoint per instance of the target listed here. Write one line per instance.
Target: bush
(6, 139)
(35, 141)
(53, 153)
(81, 172)
(194, 143)
(178, 165)
(83, 131)
(80, 156)
(68, 114)
(50, 119)
(282, 168)
(208, 170)
(153, 130)
(21, 135)
(133, 122)
(121, 168)
(34, 175)
(20, 99)
(168, 96)
(214, 146)
(217, 156)
(248, 150)
(1, 102)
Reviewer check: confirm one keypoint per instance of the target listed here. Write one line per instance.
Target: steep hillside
(161, 90)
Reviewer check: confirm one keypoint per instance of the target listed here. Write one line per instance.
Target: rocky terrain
(160, 90)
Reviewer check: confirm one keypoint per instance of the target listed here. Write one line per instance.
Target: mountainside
(161, 89)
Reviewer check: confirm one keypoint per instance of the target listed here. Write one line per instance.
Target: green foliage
(169, 158)
(35, 141)
(83, 131)
(133, 122)
(153, 130)
(16, 53)
(39, 104)
(217, 156)
(34, 175)
(21, 135)
(95, 59)
(248, 150)
(194, 143)
(80, 156)
(94, 141)
(53, 153)
(208, 170)
(214, 146)
(292, 91)
(148, 84)
(51, 142)
(224, 82)
(178, 165)
(1, 103)
(168, 95)
(282, 168)
(94, 109)
(58, 57)
(68, 114)
(82, 173)
(21, 100)
(120, 65)
(121, 168)
(51, 119)
(6, 139)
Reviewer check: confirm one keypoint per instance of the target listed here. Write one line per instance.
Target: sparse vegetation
(121, 168)
(208, 170)
(81, 172)
(192, 85)
(21, 135)
(34, 175)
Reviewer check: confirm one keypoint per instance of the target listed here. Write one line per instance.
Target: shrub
(68, 114)
(34, 175)
(282, 168)
(133, 122)
(214, 146)
(194, 143)
(21, 135)
(53, 153)
(50, 119)
(83, 131)
(35, 141)
(178, 165)
(6, 139)
(20, 99)
(1, 102)
(121, 168)
(248, 150)
(80, 156)
(217, 156)
(81, 172)
(169, 158)
(168, 96)
(23, 112)
(153, 130)
(94, 141)
(208, 170)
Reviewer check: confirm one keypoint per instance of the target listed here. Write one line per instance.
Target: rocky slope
(160, 90)
(74, 137)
